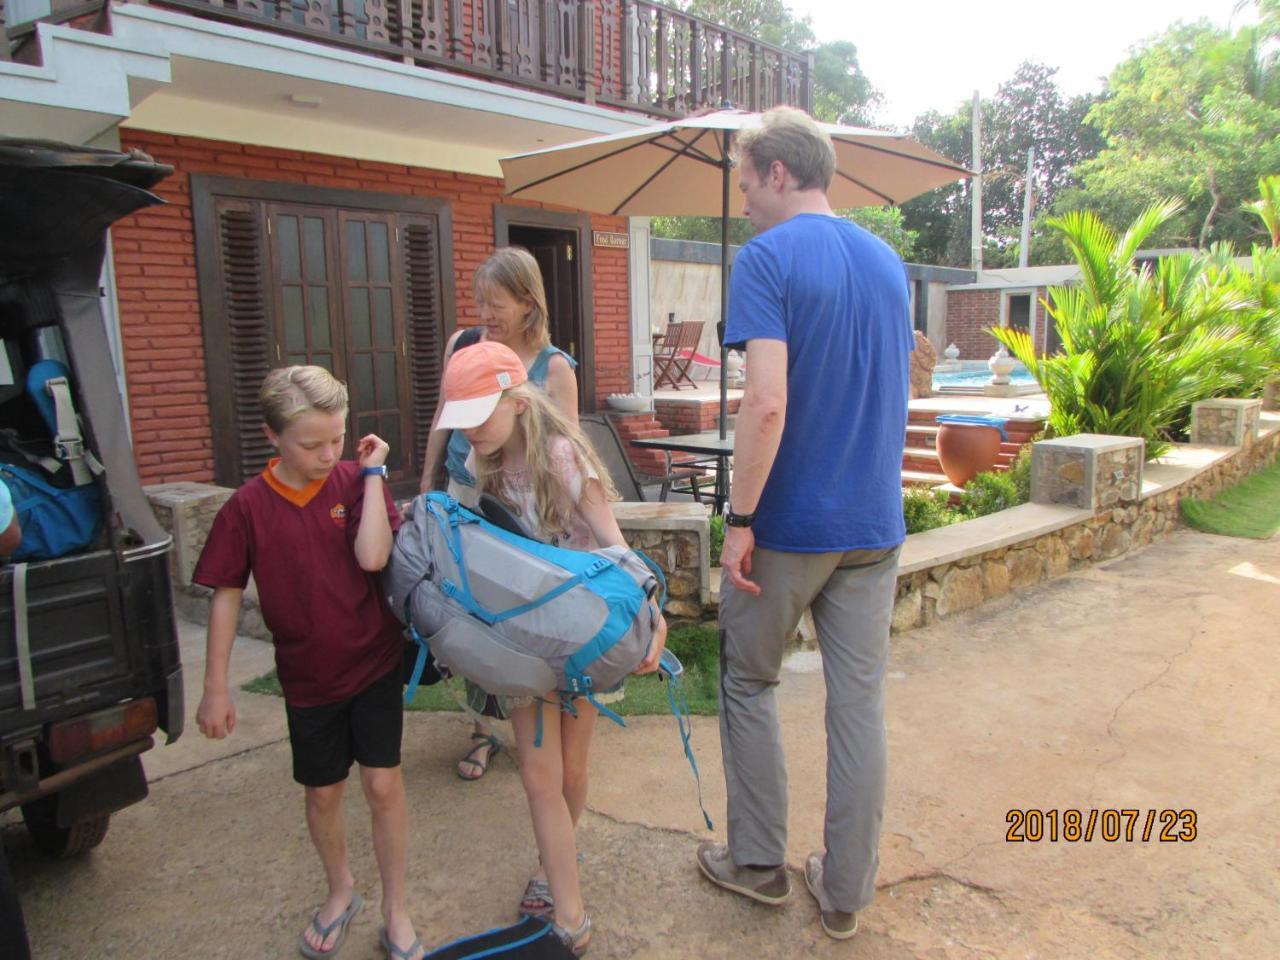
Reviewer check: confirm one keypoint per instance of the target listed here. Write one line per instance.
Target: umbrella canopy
(676, 168)
(682, 168)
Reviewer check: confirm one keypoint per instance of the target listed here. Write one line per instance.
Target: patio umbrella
(682, 168)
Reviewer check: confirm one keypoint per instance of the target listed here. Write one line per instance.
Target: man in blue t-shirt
(815, 514)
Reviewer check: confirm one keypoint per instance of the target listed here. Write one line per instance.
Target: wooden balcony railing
(632, 54)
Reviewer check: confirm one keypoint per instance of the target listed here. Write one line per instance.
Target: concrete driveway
(1149, 684)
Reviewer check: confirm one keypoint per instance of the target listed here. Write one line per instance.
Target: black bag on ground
(530, 939)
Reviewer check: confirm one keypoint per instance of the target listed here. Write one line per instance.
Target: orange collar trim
(299, 498)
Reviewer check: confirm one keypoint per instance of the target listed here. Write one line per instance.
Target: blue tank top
(455, 460)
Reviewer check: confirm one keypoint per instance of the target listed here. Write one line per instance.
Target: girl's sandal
(490, 745)
(537, 901)
(576, 940)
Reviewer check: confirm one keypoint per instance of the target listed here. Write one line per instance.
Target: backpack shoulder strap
(468, 337)
(68, 442)
(14, 443)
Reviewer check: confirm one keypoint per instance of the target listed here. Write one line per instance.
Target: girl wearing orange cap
(513, 311)
(528, 454)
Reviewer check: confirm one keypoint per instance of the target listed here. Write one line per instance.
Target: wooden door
(557, 256)
(358, 292)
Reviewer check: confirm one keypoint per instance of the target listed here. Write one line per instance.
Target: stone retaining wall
(676, 536)
(1119, 524)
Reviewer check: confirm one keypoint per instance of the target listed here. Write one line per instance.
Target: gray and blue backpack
(519, 617)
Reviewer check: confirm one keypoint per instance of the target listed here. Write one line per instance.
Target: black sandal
(487, 742)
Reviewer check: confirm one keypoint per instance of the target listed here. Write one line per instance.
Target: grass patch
(1249, 509)
(698, 648)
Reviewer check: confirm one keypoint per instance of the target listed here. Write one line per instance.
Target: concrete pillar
(1089, 470)
(1225, 423)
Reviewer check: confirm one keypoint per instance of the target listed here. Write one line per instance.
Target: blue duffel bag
(55, 521)
(51, 481)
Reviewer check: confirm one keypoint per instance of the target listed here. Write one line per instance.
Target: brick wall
(159, 303)
(692, 416)
(969, 313)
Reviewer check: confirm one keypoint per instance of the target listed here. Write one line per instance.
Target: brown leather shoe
(769, 885)
(835, 923)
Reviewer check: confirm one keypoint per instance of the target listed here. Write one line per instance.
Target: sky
(928, 55)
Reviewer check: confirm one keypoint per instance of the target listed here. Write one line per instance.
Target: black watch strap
(739, 519)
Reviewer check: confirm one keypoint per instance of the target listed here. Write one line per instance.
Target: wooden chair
(674, 354)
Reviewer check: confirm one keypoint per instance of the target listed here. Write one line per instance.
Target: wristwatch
(374, 472)
(738, 519)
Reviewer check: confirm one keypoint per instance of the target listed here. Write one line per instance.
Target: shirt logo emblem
(338, 515)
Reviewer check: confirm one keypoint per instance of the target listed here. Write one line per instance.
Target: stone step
(922, 478)
(920, 435)
(648, 434)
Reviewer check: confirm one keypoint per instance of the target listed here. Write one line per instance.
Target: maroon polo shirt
(333, 632)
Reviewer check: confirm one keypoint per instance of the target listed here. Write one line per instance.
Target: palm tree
(1139, 345)
(1267, 207)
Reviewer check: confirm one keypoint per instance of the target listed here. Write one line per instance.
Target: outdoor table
(709, 444)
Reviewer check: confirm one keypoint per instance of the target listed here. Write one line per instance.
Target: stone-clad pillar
(1092, 471)
(186, 509)
(1225, 423)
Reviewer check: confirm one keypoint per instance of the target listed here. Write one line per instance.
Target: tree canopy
(1193, 114)
(1027, 111)
(842, 94)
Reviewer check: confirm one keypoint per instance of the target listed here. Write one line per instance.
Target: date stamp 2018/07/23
(1111, 825)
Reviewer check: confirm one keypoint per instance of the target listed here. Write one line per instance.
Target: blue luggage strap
(415, 676)
(543, 929)
(449, 524)
(675, 689)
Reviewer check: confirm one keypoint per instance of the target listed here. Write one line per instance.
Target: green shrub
(1140, 344)
(987, 493)
(1020, 470)
(717, 539)
(926, 509)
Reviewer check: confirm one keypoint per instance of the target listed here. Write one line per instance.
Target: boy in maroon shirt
(302, 529)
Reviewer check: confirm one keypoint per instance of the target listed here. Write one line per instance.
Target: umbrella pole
(725, 167)
(722, 468)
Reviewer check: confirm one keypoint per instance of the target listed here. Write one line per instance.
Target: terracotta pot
(967, 450)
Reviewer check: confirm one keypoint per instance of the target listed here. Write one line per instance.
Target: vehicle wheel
(41, 818)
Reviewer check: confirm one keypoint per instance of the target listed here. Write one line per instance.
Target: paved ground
(1148, 683)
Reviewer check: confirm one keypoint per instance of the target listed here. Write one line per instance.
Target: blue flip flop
(396, 953)
(341, 922)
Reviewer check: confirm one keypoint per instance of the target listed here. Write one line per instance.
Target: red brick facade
(971, 312)
(155, 263)
(692, 416)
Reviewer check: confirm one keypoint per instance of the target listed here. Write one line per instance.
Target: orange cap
(474, 381)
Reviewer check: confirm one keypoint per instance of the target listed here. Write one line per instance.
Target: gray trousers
(851, 596)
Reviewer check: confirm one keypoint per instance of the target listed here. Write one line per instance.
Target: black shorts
(363, 729)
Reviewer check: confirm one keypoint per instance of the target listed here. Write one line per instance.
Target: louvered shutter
(249, 340)
(424, 320)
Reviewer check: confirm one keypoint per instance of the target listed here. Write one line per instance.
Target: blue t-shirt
(838, 297)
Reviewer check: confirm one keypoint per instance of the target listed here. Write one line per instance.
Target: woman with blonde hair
(513, 311)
